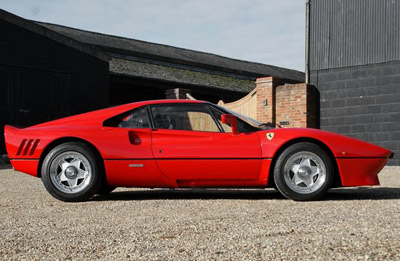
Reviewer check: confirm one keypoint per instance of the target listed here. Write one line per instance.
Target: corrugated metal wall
(348, 33)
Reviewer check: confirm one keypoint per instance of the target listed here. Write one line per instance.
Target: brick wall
(290, 105)
(266, 99)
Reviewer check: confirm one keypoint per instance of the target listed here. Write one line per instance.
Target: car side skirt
(136, 173)
(145, 173)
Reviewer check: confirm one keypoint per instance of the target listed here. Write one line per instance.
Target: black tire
(303, 171)
(72, 172)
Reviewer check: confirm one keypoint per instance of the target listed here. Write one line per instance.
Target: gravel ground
(136, 224)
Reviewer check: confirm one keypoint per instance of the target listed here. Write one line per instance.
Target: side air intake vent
(27, 147)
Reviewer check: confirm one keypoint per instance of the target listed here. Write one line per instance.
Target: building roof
(190, 59)
(173, 74)
(51, 34)
(160, 62)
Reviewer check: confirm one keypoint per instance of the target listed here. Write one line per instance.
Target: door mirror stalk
(230, 120)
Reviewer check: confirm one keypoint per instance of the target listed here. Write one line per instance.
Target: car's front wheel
(303, 171)
(71, 172)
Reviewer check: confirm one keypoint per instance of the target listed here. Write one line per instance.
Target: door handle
(134, 139)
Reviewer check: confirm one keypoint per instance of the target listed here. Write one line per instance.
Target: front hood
(340, 145)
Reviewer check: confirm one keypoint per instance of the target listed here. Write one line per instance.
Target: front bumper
(360, 171)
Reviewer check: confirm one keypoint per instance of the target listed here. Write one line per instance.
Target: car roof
(98, 116)
(152, 102)
(166, 101)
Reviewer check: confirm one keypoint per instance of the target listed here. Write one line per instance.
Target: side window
(137, 119)
(183, 117)
(217, 115)
(241, 125)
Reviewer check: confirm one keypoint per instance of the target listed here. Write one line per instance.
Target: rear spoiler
(10, 128)
(12, 139)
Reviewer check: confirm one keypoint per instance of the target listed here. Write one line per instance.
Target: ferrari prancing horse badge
(270, 135)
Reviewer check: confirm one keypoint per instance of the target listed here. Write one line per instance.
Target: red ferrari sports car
(187, 144)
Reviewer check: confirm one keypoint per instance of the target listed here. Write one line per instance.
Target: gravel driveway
(356, 223)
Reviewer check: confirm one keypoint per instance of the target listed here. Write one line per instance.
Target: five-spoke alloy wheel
(303, 171)
(70, 172)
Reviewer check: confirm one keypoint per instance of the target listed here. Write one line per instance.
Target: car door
(127, 152)
(189, 144)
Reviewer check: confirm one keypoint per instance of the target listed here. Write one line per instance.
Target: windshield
(244, 118)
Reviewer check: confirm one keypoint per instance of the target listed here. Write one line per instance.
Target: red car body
(165, 158)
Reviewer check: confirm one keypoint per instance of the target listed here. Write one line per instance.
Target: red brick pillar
(177, 93)
(266, 99)
(296, 105)
(291, 105)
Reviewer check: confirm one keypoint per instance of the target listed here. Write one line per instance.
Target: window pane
(241, 125)
(183, 117)
(217, 115)
(137, 119)
(201, 121)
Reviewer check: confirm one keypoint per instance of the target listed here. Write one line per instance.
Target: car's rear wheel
(71, 172)
(304, 171)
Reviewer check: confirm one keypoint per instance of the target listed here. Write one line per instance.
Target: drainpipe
(308, 41)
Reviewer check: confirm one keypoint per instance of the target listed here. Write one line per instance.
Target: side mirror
(231, 120)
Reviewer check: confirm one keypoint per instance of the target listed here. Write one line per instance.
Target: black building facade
(44, 75)
(355, 64)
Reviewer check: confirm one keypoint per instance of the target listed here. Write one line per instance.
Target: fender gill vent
(34, 147)
(21, 146)
(25, 145)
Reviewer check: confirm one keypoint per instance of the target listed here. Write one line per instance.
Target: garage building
(355, 64)
(50, 71)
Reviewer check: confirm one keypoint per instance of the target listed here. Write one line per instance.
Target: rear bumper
(360, 171)
(29, 166)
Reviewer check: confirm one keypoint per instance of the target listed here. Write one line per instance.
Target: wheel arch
(60, 141)
(337, 179)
